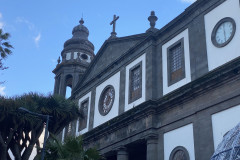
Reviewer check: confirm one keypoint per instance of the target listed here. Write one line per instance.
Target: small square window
(84, 118)
(135, 82)
(176, 64)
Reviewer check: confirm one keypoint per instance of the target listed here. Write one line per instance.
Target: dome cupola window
(84, 56)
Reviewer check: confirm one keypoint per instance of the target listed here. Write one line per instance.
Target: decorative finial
(59, 60)
(152, 19)
(81, 21)
(113, 33)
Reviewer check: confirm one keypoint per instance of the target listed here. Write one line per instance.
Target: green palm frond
(55, 149)
(71, 149)
(5, 46)
(4, 36)
(92, 154)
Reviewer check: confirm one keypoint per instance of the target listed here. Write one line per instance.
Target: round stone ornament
(106, 100)
(179, 153)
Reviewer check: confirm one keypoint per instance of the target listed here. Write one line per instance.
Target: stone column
(62, 88)
(152, 147)
(122, 153)
(56, 85)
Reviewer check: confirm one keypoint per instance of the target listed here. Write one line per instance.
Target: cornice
(70, 63)
(222, 75)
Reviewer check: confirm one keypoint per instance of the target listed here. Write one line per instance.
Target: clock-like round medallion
(106, 100)
(179, 153)
(223, 32)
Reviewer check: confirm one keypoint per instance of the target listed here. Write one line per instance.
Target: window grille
(135, 79)
(175, 60)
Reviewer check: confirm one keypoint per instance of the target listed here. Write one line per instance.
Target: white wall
(219, 56)
(179, 137)
(166, 88)
(142, 99)
(224, 121)
(89, 104)
(98, 118)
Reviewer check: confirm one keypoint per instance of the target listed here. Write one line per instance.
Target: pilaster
(122, 153)
(152, 147)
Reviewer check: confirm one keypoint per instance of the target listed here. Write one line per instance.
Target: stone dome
(79, 39)
(80, 30)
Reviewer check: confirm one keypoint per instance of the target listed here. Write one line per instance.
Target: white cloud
(30, 25)
(188, 1)
(32, 28)
(1, 22)
(37, 39)
(1, 25)
(2, 92)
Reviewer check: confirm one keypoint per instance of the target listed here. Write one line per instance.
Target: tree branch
(35, 134)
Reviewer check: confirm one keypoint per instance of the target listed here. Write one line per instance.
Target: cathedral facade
(166, 94)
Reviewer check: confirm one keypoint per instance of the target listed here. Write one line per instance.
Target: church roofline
(146, 36)
(125, 38)
(185, 15)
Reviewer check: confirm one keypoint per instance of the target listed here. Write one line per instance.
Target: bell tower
(76, 56)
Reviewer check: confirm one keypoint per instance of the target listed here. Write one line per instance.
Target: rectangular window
(68, 56)
(84, 118)
(135, 80)
(176, 65)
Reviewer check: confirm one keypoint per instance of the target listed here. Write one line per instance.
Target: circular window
(179, 153)
(106, 100)
(84, 56)
(223, 32)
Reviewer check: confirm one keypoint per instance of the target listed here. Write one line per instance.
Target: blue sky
(39, 29)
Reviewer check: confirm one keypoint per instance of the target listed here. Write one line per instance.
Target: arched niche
(68, 85)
